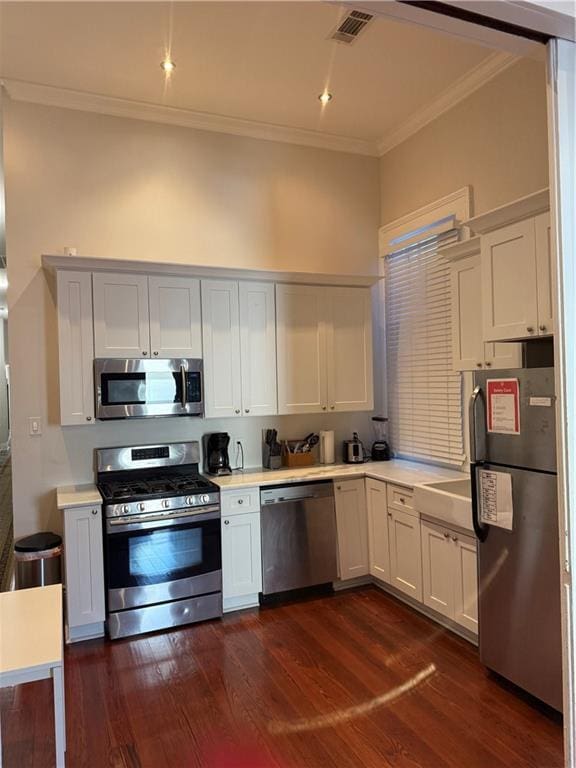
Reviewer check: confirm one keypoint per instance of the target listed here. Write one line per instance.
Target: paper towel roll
(327, 446)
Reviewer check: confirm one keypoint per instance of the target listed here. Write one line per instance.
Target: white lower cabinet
(352, 526)
(241, 554)
(84, 572)
(449, 574)
(378, 538)
(405, 552)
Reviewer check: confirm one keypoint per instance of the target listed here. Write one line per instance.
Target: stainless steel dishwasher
(299, 547)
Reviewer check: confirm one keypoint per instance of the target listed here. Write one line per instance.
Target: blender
(380, 449)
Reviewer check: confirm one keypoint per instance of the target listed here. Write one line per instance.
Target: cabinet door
(501, 356)
(467, 343)
(175, 328)
(349, 373)
(378, 545)
(221, 343)
(301, 349)
(76, 347)
(509, 295)
(438, 558)
(84, 565)
(258, 348)
(405, 553)
(121, 320)
(241, 556)
(352, 525)
(545, 274)
(466, 582)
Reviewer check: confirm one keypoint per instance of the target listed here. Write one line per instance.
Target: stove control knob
(125, 509)
(165, 503)
(205, 498)
(190, 500)
(141, 506)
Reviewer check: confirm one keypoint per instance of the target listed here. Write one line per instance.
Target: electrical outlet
(34, 426)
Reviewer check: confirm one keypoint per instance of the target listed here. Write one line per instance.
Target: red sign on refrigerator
(503, 406)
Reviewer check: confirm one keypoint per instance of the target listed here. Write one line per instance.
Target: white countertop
(409, 473)
(77, 496)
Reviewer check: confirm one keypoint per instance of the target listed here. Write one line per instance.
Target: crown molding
(492, 66)
(50, 96)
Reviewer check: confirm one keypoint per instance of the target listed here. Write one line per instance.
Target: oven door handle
(183, 380)
(147, 522)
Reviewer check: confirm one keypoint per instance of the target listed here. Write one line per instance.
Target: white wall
(119, 188)
(495, 140)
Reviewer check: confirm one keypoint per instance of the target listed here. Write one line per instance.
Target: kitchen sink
(449, 501)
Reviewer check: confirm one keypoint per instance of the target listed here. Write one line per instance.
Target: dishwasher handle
(290, 499)
(288, 494)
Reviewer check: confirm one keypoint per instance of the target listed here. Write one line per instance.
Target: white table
(31, 648)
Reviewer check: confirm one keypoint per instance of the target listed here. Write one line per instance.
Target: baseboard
(428, 612)
(359, 581)
(239, 603)
(85, 632)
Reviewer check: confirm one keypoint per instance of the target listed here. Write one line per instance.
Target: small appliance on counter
(271, 449)
(380, 450)
(327, 446)
(216, 458)
(353, 450)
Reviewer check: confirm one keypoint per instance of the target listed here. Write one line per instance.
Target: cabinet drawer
(240, 502)
(401, 498)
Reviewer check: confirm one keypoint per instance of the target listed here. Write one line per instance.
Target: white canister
(326, 446)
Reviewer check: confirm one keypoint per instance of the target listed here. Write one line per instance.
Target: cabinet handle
(88, 418)
(237, 410)
(478, 365)
(488, 364)
(332, 407)
(323, 407)
(402, 500)
(389, 514)
(454, 538)
(338, 487)
(542, 327)
(529, 329)
(155, 354)
(240, 501)
(94, 511)
(144, 352)
(446, 535)
(247, 410)
(226, 522)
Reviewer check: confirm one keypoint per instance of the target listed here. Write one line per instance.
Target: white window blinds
(424, 394)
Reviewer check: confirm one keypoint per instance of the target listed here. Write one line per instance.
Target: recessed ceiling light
(325, 97)
(168, 66)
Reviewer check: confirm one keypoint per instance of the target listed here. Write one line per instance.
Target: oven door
(133, 388)
(161, 560)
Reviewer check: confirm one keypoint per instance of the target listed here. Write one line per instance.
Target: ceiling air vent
(351, 26)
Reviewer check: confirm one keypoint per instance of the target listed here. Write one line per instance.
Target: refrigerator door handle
(480, 530)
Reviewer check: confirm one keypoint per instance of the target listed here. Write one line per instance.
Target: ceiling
(262, 62)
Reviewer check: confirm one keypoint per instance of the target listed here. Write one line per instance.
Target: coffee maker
(216, 459)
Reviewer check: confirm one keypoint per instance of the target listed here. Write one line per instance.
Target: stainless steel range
(162, 538)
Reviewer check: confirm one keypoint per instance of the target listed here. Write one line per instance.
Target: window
(424, 393)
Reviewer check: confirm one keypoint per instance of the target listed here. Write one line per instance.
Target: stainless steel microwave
(134, 388)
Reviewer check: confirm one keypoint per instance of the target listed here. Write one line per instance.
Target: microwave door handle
(183, 380)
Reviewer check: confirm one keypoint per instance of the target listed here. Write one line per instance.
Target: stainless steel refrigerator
(518, 569)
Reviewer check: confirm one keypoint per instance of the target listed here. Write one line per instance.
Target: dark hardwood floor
(305, 685)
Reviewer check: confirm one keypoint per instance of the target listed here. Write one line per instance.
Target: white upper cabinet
(175, 318)
(349, 349)
(469, 351)
(258, 348)
(324, 346)
(509, 292)
(301, 349)
(121, 319)
(545, 280)
(352, 527)
(221, 343)
(76, 347)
